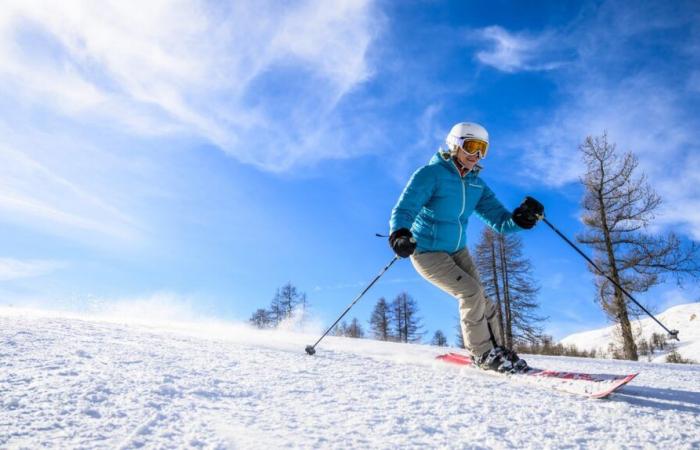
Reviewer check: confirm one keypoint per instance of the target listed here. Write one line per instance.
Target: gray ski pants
(456, 274)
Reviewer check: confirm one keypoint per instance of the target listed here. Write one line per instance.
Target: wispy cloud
(87, 88)
(218, 71)
(13, 269)
(615, 84)
(31, 192)
(515, 52)
(429, 133)
(639, 113)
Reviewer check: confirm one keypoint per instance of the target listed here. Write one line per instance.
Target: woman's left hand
(528, 213)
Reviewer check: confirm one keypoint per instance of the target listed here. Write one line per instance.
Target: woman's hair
(445, 152)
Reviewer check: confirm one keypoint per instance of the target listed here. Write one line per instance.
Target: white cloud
(259, 79)
(515, 52)
(210, 70)
(32, 193)
(13, 269)
(332, 38)
(613, 87)
(428, 131)
(640, 115)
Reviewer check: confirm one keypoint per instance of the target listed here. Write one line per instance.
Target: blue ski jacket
(437, 202)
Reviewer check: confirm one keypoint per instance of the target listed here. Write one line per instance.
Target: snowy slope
(68, 382)
(684, 318)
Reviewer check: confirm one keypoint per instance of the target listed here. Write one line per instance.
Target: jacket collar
(445, 159)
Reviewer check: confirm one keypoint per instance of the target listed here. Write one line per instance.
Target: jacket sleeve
(415, 195)
(494, 214)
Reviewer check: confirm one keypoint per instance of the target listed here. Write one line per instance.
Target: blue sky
(201, 154)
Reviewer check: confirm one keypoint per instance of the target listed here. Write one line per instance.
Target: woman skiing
(429, 224)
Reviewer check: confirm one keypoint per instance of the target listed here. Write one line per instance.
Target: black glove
(528, 213)
(402, 242)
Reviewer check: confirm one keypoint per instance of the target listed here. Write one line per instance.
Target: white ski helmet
(465, 131)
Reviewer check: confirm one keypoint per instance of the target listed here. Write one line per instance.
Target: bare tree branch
(619, 205)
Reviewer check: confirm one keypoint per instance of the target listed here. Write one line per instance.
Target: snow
(71, 381)
(684, 318)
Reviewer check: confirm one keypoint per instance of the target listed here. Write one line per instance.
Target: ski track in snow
(88, 383)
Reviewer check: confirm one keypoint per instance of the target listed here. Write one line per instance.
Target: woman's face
(467, 160)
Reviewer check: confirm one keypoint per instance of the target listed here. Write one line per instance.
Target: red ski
(587, 384)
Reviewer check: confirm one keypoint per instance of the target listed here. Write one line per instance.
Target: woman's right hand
(402, 242)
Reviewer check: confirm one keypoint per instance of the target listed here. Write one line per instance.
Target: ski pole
(311, 349)
(672, 333)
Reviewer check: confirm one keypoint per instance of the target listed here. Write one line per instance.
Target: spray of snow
(169, 312)
(83, 382)
(301, 321)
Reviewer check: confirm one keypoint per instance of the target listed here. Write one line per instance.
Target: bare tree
(486, 258)
(261, 318)
(404, 315)
(340, 329)
(288, 297)
(355, 330)
(286, 300)
(276, 311)
(459, 337)
(507, 279)
(618, 208)
(380, 321)
(439, 339)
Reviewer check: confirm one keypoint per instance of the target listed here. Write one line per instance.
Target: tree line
(397, 320)
(287, 302)
(507, 279)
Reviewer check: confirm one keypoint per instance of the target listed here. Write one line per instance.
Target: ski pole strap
(672, 333)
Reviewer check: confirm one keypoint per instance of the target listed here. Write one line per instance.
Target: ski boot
(501, 359)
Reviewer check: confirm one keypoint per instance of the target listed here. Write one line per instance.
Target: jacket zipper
(464, 202)
(459, 218)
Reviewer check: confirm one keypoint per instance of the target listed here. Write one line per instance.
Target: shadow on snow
(658, 398)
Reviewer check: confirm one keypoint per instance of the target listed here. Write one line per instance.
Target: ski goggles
(474, 146)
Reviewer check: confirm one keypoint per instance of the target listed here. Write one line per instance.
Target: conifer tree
(404, 314)
(507, 279)
(355, 330)
(261, 318)
(619, 206)
(439, 339)
(286, 300)
(380, 321)
(288, 297)
(459, 337)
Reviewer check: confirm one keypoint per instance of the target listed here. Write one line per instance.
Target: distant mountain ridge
(684, 318)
